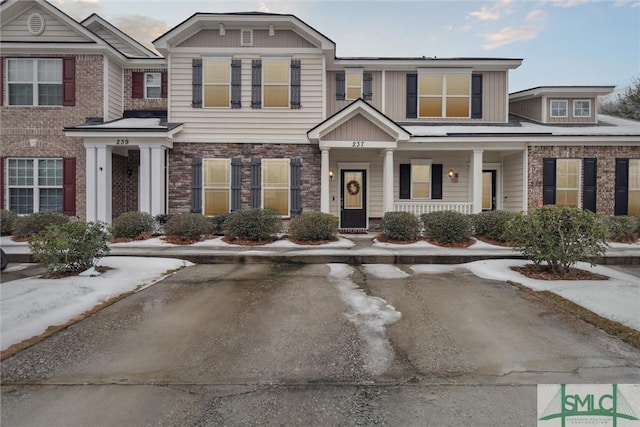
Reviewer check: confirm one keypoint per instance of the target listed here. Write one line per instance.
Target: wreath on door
(353, 187)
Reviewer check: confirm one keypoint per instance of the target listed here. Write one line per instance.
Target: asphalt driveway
(310, 345)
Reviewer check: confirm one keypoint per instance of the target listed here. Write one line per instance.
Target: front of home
(247, 110)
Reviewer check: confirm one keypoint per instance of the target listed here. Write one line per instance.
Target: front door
(353, 199)
(489, 190)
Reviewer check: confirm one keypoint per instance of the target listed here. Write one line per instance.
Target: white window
(276, 78)
(152, 85)
(217, 83)
(246, 37)
(444, 94)
(275, 185)
(420, 179)
(568, 182)
(353, 84)
(558, 108)
(34, 81)
(34, 185)
(634, 187)
(216, 185)
(582, 108)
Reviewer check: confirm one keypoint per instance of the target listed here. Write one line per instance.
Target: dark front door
(489, 190)
(353, 199)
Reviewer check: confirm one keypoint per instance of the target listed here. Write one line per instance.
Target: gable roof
(95, 22)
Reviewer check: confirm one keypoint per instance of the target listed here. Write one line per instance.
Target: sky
(562, 42)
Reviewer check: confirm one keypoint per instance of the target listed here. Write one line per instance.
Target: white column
(387, 185)
(144, 185)
(91, 171)
(324, 180)
(476, 177)
(103, 184)
(157, 181)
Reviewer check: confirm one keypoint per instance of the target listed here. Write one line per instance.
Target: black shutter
(549, 181)
(69, 186)
(256, 83)
(622, 187)
(164, 85)
(236, 184)
(236, 85)
(367, 86)
(296, 184)
(412, 96)
(436, 181)
(196, 185)
(405, 181)
(255, 197)
(196, 83)
(295, 84)
(69, 82)
(340, 89)
(137, 84)
(589, 178)
(476, 96)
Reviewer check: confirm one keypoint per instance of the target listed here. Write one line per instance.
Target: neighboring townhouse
(257, 111)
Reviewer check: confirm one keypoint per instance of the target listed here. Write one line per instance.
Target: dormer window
(246, 38)
(558, 108)
(353, 84)
(444, 94)
(582, 108)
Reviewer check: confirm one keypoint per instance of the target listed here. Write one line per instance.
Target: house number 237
(358, 144)
(122, 142)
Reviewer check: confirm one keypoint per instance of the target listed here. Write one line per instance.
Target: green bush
(217, 223)
(133, 224)
(446, 226)
(187, 226)
(73, 246)
(7, 220)
(558, 235)
(313, 226)
(621, 228)
(253, 224)
(399, 226)
(491, 224)
(30, 225)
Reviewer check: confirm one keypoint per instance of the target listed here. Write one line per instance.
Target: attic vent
(35, 24)
(246, 37)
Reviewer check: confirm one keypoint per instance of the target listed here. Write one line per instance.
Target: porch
(419, 208)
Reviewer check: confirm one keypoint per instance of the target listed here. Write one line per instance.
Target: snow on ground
(617, 298)
(29, 306)
(384, 271)
(217, 242)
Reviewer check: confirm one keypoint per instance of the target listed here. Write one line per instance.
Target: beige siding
(358, 128)
(396, 95)
(529, 108)
(334, 105)
(494, 96)
(512, 184)
(261, 38)
(245, 124)
(116, 42)
(55, 30)
(115, 102)
(570, 118)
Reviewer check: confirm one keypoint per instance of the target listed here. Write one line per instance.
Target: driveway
(310, 345)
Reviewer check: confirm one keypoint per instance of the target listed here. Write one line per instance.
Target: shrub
(446, 226)
(491, 224)
(314, 226)
(217, 223)
(73, 246)
(30, 225)
(399, 226)
(621, 228)
(7, 220)
(558, 235)
(187, 226)
(253, 224)
(133, 224)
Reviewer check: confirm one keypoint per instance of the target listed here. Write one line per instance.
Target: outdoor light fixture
(453, 175)
(331, 175)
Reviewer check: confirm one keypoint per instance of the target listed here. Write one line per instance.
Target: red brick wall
(125, 187)
(141, 103)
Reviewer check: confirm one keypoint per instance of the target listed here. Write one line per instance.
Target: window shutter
(69, 186)
(256, 83)
(367, 85)
(1, 81)
(2, 183)
(622, 187)
(436, 181)
(164, 85)
(236, 184)
(196, 185)
(196, 83)
(549, 181)
(295, 84)
(340, 88)
(589, 185)
(236, 83)
(405, 181)
(476, 96)
(137, 85)
(69, 82)
(255, 196)
(412, 96)
(296, 199)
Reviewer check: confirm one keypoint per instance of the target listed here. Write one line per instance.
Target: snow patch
(384, 271)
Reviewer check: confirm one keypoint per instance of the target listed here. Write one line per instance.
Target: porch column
(324, 180)
(476, 178)
(144, 183)
(98, 181)
(387, 184)
(91, 172)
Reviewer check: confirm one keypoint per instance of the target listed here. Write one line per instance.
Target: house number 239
(122, 142)
(358, 144)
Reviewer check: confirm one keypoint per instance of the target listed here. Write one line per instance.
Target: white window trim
(264, 187)
(35, 187)
(359, 72)
(204, 187)
(630, 188)
(443, 72)
(159, 86)
(35, 82)
(588, 101)
(242, 42)
(566, 108)
(204, 84)
(421, 162)
(273, 58)
(580, 183)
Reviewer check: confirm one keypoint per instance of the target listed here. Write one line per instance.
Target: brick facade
(125, 188)
(606, 163)
(141, 103)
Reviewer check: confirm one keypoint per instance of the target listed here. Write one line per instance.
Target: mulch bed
(311, 242)
(246, 242)
(544, 272)
(464, 244)
(381, 238)
(128, 239)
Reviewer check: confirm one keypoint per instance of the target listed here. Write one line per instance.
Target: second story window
(353, 84)
(152, 85)
(34, 81)
(444, 95)
(275, 81)
(558, 108)
(217, 82)
(582, 108)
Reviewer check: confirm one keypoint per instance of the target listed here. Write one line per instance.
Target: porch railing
(419, 208)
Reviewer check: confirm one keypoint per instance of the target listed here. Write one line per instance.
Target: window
(275, 185)
(35, 185)
(420, 180)
(34, 81)
(634, 187)
(353, 84)
(275, 83)
(582, 108)
(217, 82)
(153, 85)
(216, 185)
(558, 108)
(567, 182)
(444, 95)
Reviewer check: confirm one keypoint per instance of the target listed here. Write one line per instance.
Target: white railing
(419, 208)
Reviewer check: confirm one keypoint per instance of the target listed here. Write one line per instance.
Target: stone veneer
(606, 164)
(180, 169)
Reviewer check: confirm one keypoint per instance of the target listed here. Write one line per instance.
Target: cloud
(569, 3)
(141, 28)
(509, 35)
(536, 15)
(78, 9)
(625, 3)
(262, 7)
(493, 12)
